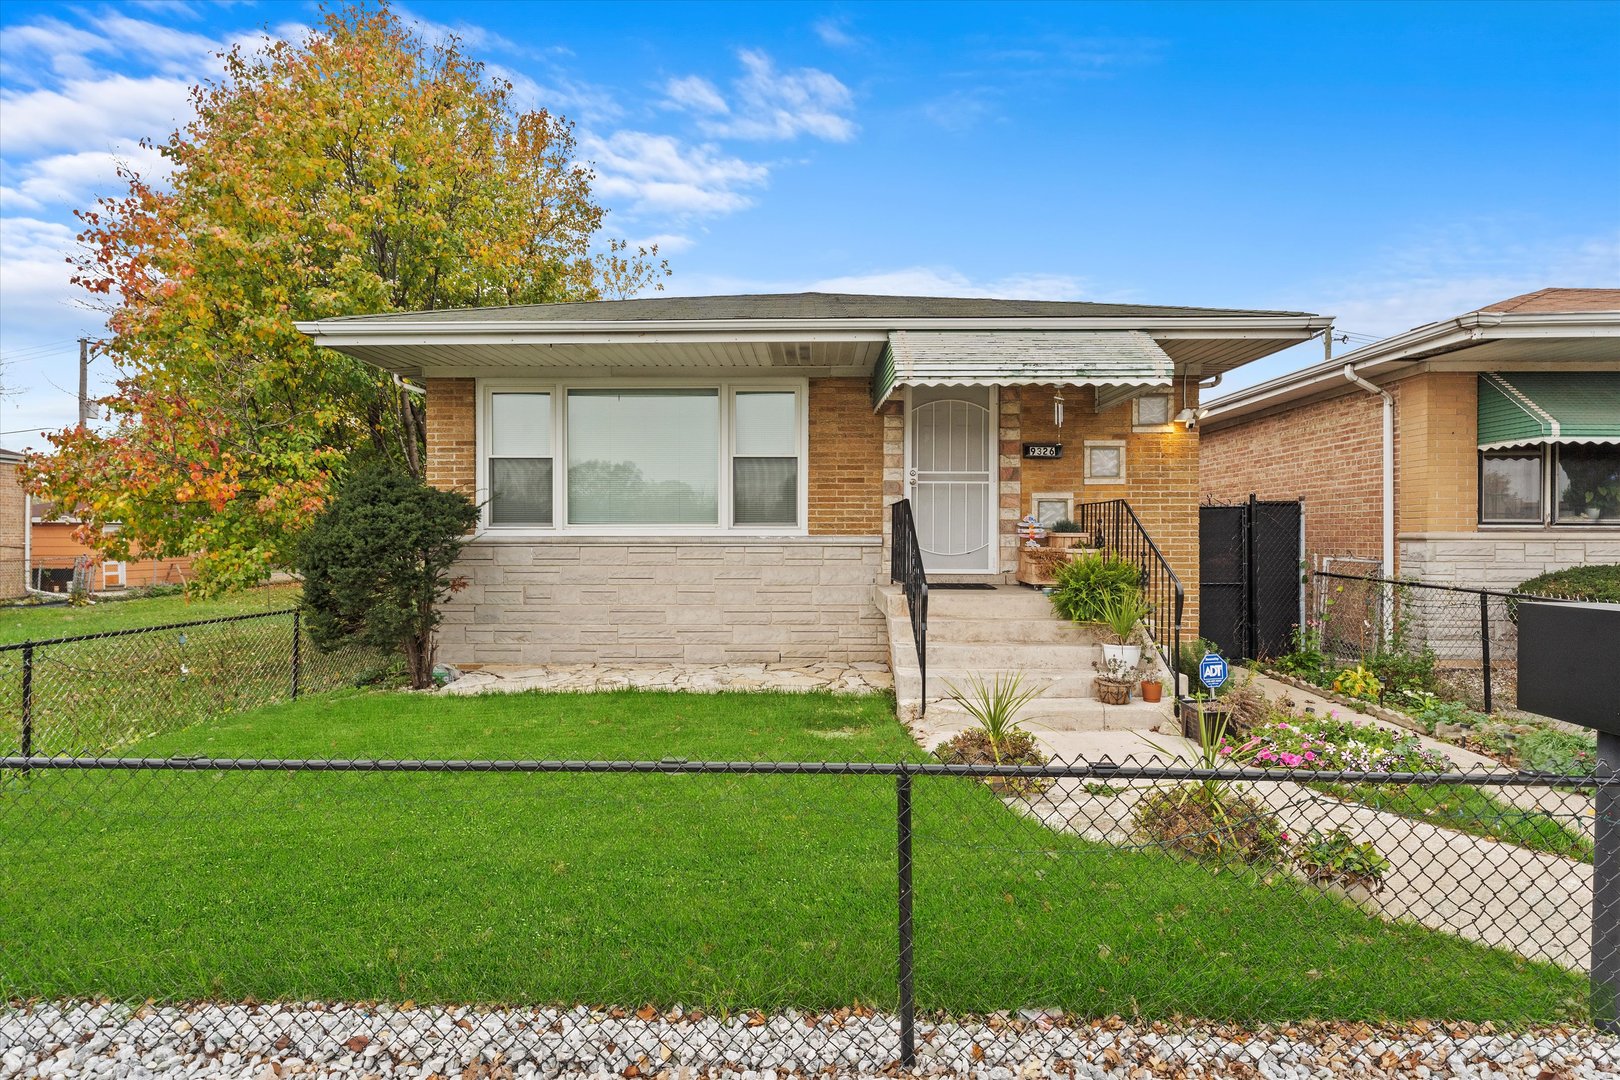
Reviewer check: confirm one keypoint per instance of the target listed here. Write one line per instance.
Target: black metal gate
(1250, 575)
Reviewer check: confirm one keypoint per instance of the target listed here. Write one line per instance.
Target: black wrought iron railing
(1114, 526)
(906, 569)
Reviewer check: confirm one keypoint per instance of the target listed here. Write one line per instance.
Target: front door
(951, 476)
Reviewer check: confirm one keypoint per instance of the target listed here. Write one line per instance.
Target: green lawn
(30, 622)
(1471, 810)
(720, 891)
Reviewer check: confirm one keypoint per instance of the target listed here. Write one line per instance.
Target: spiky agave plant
(995, 704)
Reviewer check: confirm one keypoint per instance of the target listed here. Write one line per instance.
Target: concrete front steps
(1007, 629)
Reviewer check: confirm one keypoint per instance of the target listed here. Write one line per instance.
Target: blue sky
(1389, 164)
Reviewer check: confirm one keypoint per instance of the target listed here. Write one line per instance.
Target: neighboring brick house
(1505, 452)
(13, 527)
(55, 552)
(731, 461)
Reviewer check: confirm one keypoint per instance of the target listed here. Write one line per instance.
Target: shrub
(1358, 682)
(1305, 658)
(1018, 747)
(376, 562)
(1552, 750)
(1211, 825)
(1064, 525)
(1084, 585)
(1403, 669)
(995, 704)
(1600, 582)
(1337, 858)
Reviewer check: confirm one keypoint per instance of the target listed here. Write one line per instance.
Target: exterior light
(1188, 418)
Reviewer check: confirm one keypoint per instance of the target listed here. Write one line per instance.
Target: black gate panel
(1223, 574)
(1251, 582)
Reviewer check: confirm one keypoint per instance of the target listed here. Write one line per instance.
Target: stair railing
(906, 569)
(1114, 526)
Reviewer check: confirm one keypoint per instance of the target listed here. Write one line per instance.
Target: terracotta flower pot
(1151, 689)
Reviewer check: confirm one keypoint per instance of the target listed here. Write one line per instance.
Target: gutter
(1389, 485)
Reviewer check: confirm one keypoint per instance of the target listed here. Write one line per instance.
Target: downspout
(1389, 487)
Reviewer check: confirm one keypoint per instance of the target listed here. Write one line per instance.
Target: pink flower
(1292, 760)
(1310, 755)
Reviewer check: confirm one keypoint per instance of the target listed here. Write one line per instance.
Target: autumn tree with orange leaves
(361, 170)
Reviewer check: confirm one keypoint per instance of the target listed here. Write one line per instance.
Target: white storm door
(951, 476)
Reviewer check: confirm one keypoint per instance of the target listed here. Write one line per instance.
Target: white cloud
(77, 180)
(639, 172)
(696, 94)
(833, 32)
(768, 103)
(946, 281)
(106, 112)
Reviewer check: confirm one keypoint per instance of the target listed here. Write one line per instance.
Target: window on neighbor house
(1578, 482)
(688, 457)
(520, 462)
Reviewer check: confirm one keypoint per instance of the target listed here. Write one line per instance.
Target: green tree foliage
(376, 561)
(360, 170)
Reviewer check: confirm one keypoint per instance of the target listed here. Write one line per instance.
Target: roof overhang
(1480, 341)
(1207, 345)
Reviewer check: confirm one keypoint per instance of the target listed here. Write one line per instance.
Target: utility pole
(84, 381)
(1327, 344)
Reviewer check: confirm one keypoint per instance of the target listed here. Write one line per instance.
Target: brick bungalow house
(707, 480)
(13, 527)
(1482, 449)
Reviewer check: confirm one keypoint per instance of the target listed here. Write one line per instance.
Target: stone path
(710, 678)
(277, 1042)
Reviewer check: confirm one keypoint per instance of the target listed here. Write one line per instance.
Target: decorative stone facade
(1501, 559)
(691, 600)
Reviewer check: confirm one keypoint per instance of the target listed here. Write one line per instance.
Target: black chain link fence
(638, 919)
(93, 692)
(1469, 637)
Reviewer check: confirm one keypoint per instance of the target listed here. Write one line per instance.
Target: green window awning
(1102, 358)
(1528, 408)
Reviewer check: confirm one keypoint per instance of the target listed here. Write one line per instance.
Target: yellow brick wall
(1161, 471)
(846, 459)
(1437, 470)
(1328, 453)
(452, 450)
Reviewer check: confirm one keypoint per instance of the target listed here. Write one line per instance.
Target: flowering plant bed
(1329, 743)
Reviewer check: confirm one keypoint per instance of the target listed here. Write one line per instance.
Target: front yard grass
(719, 891)
(33, 622)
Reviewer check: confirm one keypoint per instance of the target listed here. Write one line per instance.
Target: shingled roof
(804, 305)
(1558, 301)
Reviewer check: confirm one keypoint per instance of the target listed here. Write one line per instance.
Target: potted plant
(1121, 611)
(1201, 714)
(1340, 863)
(1065, 534)
(1152, 689)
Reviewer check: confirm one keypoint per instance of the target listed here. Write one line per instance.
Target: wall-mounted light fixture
(1188, 418)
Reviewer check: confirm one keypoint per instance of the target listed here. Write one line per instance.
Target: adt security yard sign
(1212, 671)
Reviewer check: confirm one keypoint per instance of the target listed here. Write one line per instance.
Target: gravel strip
(267, 1042)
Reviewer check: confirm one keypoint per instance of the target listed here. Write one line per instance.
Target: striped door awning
(1527, 408)
(1120, 363)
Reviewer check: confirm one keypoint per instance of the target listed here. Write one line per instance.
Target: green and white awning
(1121, 363)
(1528, 408)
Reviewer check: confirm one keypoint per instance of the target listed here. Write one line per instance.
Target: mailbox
(1569, 654)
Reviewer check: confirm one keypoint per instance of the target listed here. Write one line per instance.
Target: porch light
(1188, 418)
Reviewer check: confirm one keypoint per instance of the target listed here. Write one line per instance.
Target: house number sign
(1043, 450)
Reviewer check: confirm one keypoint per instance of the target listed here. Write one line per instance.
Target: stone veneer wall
(1501, 560)
(690, 600)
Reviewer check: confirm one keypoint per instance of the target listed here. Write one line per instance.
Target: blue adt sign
(1212, 671)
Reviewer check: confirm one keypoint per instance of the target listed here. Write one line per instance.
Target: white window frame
(559, 388)
(1101, 444)
(1169, 423)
